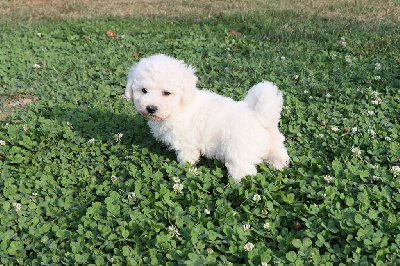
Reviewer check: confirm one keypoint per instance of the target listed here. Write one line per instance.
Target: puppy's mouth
(151, 116)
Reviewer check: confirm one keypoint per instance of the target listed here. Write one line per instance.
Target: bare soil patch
(15, 103)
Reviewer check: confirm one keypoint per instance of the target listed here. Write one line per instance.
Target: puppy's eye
(144, 90)
(166, 93)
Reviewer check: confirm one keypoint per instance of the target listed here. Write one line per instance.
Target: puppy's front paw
(279, 163)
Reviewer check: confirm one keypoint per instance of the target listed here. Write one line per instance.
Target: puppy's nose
(151, 109)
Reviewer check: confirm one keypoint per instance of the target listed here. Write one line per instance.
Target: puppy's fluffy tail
(267, 101)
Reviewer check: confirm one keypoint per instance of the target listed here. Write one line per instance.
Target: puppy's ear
(189, 81)
(128, 89)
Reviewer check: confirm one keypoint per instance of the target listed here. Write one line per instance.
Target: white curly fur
(198, 123)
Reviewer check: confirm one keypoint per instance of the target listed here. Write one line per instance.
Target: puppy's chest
(172, 133)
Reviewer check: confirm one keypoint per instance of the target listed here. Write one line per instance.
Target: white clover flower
(378, 66)
(356, 151)
(249, 246)
(92, 140)
(207, 211)
(256, 197)
(173, 231)
(276, 261)
(264, 264)
(375, 178)
(354, 129)
(348, 58)
(310, 97)
(323, 195)
(395, 170)
(39, 34)
(176, 179)
(334, 128)
(374, 166)
(131, 195)
(178, 187)
(122, 36)
(210, 251)
(287, 109)
(25, 127)
(321, 136)
(328, 95)
(266, 225)
(328, 178)
(296, 77)
(194, 171)
(370, 112)
(17, 206)
(2, 143)
(264, 211)
(246, 227)
(334, 56)
(122, 96)
(343, 41)
(114, 178)
(283, 58)
(388, 139)
(118, 137)
(377, 101)
(372, 132)
(305, 91)
(377, 77)
(36, 66)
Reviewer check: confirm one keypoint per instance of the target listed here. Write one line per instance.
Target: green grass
(67, 181)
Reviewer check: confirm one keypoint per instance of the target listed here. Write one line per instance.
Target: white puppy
(197, 122)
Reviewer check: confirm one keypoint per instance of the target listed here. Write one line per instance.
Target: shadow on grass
(102, 124)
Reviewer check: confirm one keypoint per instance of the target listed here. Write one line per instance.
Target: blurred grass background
(370, 11)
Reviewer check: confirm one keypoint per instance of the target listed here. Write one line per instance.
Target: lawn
(84, 182)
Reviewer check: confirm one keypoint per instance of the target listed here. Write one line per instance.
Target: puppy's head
(159, 85)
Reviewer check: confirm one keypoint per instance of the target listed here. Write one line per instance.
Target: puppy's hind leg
(239, 169)
(278, 156)
(188, 155)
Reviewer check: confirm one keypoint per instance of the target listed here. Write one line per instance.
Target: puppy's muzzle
(151, 109)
